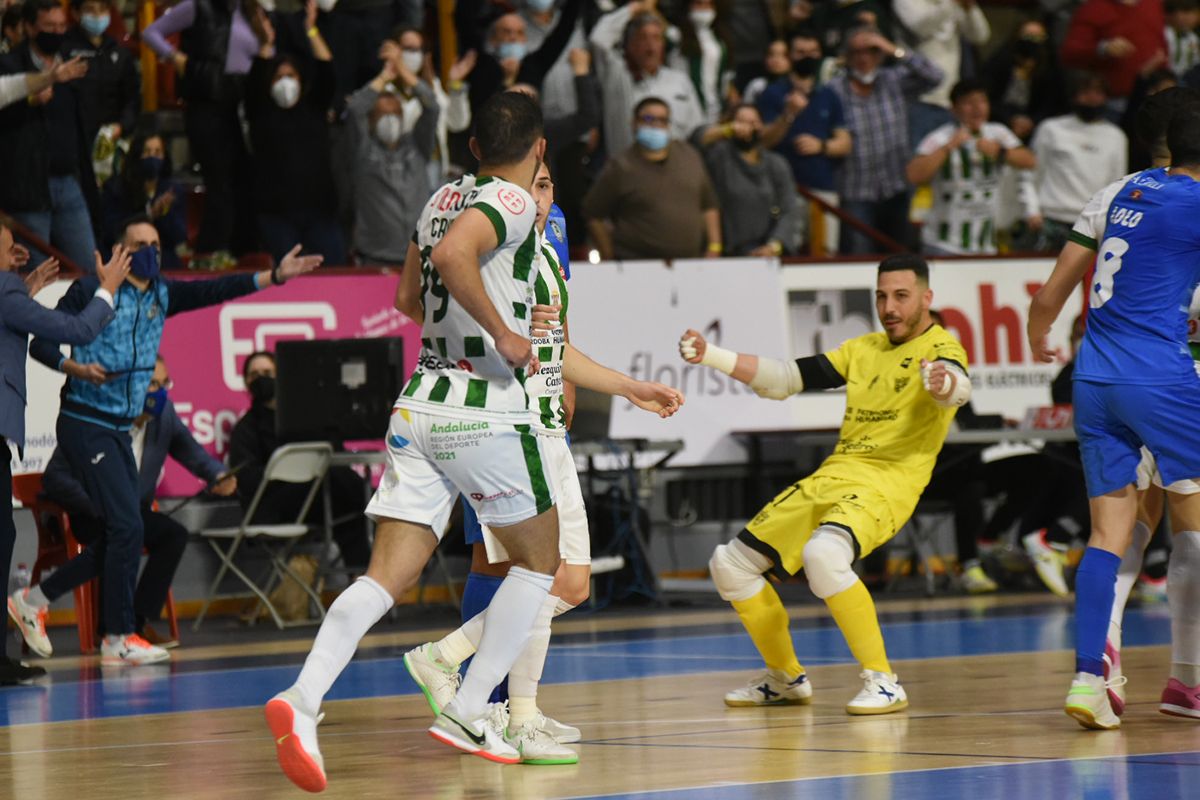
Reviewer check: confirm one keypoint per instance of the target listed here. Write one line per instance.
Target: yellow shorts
(785, 525)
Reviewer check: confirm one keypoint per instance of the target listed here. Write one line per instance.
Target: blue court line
(1167, 776)
(160, 690)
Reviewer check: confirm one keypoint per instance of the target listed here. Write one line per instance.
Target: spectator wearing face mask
(390, 165)
(407, 45)
(760, 213)
(1078, 154)
(146, 186)
(11, 33)
(704, 55)
(157, 433)
(287, 103)
(505, 56)
(1119, 39)
(1022, 81)
(776, 65)
(557, 92)
(807, 126)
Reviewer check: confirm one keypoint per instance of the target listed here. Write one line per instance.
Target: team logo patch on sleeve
(511, 200)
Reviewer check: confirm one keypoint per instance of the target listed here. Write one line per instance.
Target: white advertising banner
(630, 315)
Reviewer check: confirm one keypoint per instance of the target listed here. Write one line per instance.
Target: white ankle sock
(1127, 575)
(520, 709)
(1183, 593)
(510, 618)
(349, 618)
(527, 669)
(461, 643)
(36, 597)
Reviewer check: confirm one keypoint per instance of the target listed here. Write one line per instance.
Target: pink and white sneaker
(1180, 700)
(1112, 678)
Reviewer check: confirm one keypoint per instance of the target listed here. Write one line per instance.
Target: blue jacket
(165, 435)
(21, 315)
(128, 347)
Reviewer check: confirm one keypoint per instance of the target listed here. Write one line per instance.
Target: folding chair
(304, 462)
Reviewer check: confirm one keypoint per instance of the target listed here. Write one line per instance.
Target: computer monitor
(336, 390)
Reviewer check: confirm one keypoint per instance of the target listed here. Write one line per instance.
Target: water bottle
(19, 579)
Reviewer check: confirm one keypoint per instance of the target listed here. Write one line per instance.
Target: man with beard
(903, 386)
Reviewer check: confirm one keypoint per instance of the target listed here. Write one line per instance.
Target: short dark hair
(400, 30)
(1171, 6)
(804, 32)
(1083, 81)
(30, 9)
(1155, 113)
(136, 219)
(506, 126)
(906, 262)
(650, 101)
(78, 4)
(11, 17)
(1183, 137)
(965, 87)
(251, 357)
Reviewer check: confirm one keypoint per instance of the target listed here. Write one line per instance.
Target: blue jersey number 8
(1108, 264)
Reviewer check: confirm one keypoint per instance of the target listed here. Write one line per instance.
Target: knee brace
(828, 557)
(737, 571)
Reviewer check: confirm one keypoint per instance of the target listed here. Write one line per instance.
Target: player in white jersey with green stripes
(434, 666)
(461, 426)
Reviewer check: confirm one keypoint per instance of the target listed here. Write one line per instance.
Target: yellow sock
(766, 621)
(854, 612)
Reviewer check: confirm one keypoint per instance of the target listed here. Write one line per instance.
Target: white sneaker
(881, 694)
(295, 734)
(1087, 703)
(772, 688)
(478, 737)
(538, 747)
(976, 581)
(1048, 561)
(31, 621)
(561, 732)
(130, 649)
(436, 681)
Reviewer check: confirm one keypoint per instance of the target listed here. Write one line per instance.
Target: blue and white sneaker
(881, 694)
(772, 688)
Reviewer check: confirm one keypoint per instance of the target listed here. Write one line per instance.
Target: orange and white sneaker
(130, 649)
(31, 621)
(295, 734)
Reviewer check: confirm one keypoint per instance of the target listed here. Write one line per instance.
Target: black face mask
(805, 67)
(746, 144)
(262, 390)
(49, 43)
(1088, 113)
(1030, 49)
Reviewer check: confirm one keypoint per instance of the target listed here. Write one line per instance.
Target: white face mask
(413, 60)
(286, 91)
(865, 78)
(326, 5)
(267, 5)
(703, 17)
(388, 129)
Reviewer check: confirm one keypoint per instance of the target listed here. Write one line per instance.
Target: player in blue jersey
(1135, 386)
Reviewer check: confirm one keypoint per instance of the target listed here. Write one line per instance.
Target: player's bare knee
(737, 571)
(828, 562)
(1185, 511)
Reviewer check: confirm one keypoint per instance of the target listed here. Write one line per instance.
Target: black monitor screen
(336, 390)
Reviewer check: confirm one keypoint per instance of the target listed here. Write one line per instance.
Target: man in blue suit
(156, 433)
(21, 315)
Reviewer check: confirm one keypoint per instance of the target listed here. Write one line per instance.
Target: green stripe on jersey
(413, 385)
(520, 310)
(476, 394)
(497, 220)
(473, 347)
(547, 413)
(523, 259)
(541, 292)
(1082, 239)
(533, 465)
(545, 354)
(966, 236)
(441, 346)
(965, 155)
(562, 289)
(441, 388)
(427, 343)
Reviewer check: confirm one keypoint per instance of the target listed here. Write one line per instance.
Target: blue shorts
(1113, 421)
(472, 530)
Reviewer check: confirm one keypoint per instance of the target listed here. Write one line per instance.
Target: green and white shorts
(432, 459)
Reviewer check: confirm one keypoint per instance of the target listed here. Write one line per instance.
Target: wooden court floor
(985, 718)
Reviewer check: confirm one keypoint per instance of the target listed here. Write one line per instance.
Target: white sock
(1127, 575)
(1183, 593)
(349, 618)
(510, 618)
(460, 644)
(37, 598)
(527, 669)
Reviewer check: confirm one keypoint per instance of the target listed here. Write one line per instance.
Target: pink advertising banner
(205, 349)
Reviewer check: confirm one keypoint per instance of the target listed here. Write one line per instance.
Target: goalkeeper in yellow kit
(903, 386)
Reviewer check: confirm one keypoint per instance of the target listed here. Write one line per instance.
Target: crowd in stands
(678, 128)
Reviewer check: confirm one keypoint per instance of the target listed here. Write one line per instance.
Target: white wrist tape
(776, 380)
(715, 357)
(962, 386)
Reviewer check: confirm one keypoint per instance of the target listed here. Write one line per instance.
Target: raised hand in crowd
(45, 274)
(64, 71)
(461, 69)
(113, 274)
(293, 264)
(265, 31)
